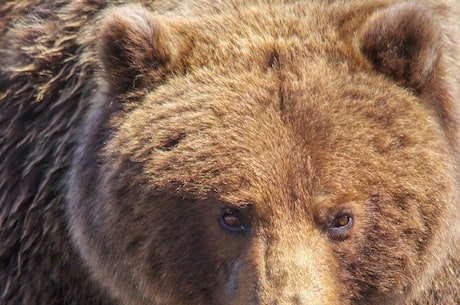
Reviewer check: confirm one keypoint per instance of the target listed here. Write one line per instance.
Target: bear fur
(229, 152)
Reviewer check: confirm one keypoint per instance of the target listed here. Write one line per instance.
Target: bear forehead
(265, 134)
(263, 32)
(280, 97)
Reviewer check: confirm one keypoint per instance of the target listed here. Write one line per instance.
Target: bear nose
(283, 271)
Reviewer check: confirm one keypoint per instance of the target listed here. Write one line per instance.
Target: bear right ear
(403, 42)
(134, 48)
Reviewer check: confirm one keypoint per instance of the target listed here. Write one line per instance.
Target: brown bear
(241, 152)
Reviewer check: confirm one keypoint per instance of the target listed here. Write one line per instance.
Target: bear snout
(268, 275)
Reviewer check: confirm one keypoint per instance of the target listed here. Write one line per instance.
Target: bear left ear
(403, 42)
(134, 47)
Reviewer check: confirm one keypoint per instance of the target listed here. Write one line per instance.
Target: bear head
(266, 154)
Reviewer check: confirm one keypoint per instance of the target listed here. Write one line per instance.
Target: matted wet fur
(229, 152)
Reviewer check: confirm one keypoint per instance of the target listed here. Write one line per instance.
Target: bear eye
(232, 220)
(341, 221)
(340, 227)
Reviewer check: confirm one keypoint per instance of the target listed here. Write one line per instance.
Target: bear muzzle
(268, 274)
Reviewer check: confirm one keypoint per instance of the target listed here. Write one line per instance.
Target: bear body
(229, 152)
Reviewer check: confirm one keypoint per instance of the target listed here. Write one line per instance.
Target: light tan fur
(326, 130)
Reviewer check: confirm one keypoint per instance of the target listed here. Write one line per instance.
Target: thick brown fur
(229, 152)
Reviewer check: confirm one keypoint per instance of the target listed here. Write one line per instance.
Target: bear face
(296, 153)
